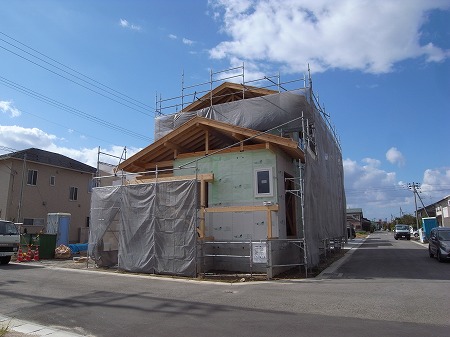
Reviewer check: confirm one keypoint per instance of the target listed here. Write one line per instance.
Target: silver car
(439, 243)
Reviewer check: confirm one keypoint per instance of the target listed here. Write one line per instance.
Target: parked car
(401, 231)
(439, 243)
(9, 241)
(413, 232)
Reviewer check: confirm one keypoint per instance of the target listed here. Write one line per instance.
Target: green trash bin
(46, 244)
(25, 239)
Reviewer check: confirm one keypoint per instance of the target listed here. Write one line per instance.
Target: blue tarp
(78, 247)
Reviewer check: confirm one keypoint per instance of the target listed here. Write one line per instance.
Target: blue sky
(381, 68)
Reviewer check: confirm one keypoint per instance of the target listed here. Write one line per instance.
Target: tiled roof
(50, 158)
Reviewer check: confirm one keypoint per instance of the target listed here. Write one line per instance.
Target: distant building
(355, 218)
(35, 182)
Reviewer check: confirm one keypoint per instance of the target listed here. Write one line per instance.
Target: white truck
(9, 241)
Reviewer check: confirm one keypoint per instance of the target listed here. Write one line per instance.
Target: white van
(9, 241)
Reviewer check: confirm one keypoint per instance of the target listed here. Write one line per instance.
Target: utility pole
(19, 208)
(413, 187)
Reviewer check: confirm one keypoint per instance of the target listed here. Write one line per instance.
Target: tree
(406, 219)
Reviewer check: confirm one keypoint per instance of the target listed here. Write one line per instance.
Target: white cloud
(125, 24)
(18, 138)
(394, 156)
(8, 108)
(369, 36)
(380, 194)
(187, 41)
(373, 189)
(436, 183)
(172, 36)
(89, 156)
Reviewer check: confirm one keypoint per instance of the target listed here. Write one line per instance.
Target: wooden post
(202, 207)
(269, 224)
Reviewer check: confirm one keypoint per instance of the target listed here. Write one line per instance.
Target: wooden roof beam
(207, 177)
(238, 136)
(161, 164)
(173, 146)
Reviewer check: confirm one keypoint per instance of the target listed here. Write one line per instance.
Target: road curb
(32, 329)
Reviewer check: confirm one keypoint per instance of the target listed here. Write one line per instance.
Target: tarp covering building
(291, 114)
(280, 136)
(147, 228)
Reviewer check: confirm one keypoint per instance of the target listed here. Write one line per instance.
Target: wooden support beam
(268, 209)
(173, 146)
(269, 224)
(206, 141)
(229, 150)
(160, 165)
(207, 177)
(238, 136)
(229, 209)
(272, 147)
(202, 208)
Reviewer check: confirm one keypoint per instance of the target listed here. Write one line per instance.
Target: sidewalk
(351, 246)
(21, 328)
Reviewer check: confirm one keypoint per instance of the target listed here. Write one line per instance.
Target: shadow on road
(380, 257)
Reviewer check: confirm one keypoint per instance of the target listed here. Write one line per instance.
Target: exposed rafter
(201, 136)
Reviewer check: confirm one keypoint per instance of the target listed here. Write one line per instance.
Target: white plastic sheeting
(153, 226)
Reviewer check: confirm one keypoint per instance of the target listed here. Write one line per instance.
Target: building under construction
(242, 177)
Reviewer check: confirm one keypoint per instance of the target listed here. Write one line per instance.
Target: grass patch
(4, 330)
(361, 235)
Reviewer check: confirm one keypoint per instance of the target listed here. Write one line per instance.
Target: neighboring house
(440, 209)
(259, 168)
(427, 211)
(366, 225)
(355, 218)
(35, 182)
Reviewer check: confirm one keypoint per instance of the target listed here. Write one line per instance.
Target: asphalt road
(385, 288)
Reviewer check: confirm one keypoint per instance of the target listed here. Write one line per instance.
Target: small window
(52, 180)
(33, 222)
(73, 194)
(27, 222)
(32, 177)
(263, 182)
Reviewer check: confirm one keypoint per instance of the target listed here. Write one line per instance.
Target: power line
(69, 109)
(7, 149)
(75, 82)
(64, 126)
(77, 72)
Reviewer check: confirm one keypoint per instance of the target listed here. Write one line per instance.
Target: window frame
(73, 193)
(52, 180)
(34, 177)
(256, 182)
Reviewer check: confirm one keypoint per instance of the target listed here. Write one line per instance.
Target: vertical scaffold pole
(302, 199)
